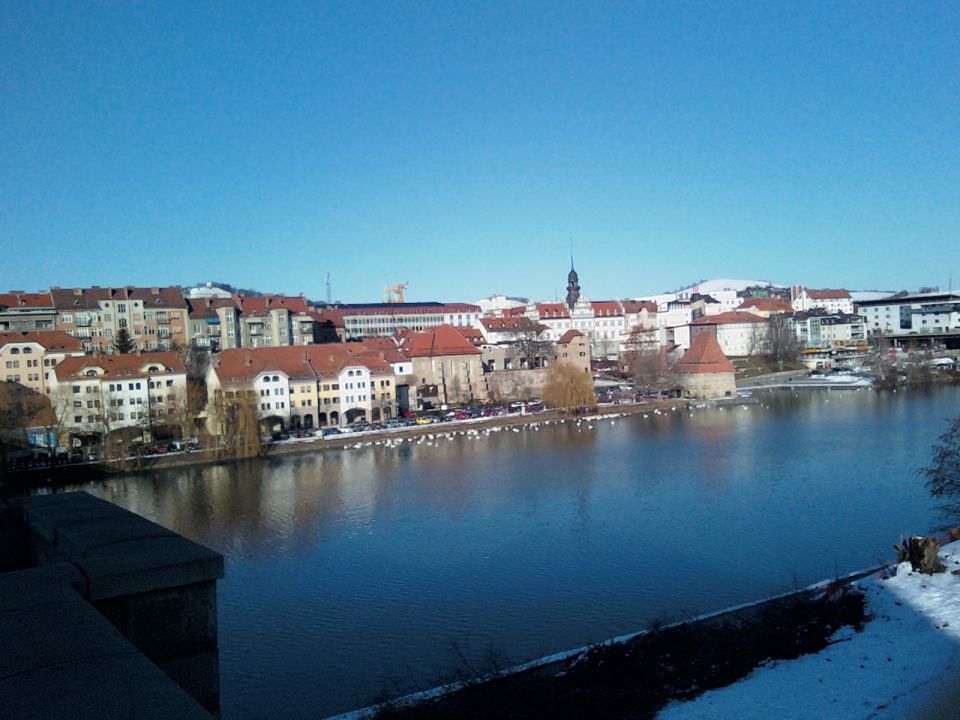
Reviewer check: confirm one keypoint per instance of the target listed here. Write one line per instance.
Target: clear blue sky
(461, 146)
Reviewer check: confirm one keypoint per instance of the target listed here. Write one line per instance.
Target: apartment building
(29, 358)
(244, 321)
(832, 301)
(818, 330)
(20, 311)
(738, 334)
(385, 319)
(154, 318)
(922, 316)
(308, 386)
(99, 394)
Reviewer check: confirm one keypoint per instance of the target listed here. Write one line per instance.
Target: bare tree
(652, 369)
(568, 388)
(783, 348)
(943, 473)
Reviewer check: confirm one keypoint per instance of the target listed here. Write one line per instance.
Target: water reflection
(354, 570)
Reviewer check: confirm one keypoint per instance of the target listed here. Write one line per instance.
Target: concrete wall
(127, 582)
(516, 384)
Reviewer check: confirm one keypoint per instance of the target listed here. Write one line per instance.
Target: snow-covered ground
(904, 664)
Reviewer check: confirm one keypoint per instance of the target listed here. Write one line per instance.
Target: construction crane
(394, 293)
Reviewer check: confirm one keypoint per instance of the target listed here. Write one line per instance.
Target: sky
(463, 147)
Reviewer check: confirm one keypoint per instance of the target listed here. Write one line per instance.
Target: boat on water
(841, 379)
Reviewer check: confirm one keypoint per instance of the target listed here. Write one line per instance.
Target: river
(361, 574)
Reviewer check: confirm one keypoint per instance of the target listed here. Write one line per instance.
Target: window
(169, 383)
(76, 389)
(121, 307)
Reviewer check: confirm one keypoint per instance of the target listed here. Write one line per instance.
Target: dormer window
(153, 369)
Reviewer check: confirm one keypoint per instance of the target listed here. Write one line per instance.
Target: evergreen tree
(123, 343)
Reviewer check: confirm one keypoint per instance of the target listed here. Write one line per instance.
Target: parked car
(426, 420)
(278, 436)
(329, 432)
(304, 434)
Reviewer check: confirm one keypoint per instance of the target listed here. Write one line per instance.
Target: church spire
(573, 283)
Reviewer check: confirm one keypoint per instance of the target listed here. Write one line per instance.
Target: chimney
(154, 291)
(78, 291)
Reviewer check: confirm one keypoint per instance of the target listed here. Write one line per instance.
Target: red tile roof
(606, 307)
(553, 310)
(300, 362)
(90, 298)
(441, 340)
(262, 305)
(51, 340)
(568, 336)
(768, 305)
(828, 294)
(410, 309)
(514, 311)
(728, 318)
(31, 300)
(120, 365)
(704, 356)
(472, 334)
(635, 306)
(511, 324)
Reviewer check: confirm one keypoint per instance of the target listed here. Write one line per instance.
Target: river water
(360, 574)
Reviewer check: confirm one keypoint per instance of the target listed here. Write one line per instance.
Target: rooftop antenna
(329, 295)
(571, 253)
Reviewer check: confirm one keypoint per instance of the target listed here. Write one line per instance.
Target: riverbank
(637, 675)
(875, 645)
(81, 472)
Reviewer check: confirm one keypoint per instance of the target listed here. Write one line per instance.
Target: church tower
(573, 286)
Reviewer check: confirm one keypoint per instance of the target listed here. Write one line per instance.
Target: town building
(26, 311)
(603, 322)
(704, 372)
(496, 305)
(302, 387)
(443, 357)
(154, 318)
(833, 301)
(819, 330)
(29, 358)
(738, 334)
(247, 321)
(96, 395)
(765, 306)
(385, 319)
(573, 348)
(915, 318)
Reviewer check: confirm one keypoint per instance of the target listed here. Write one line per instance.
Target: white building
(103, 393)
(498, 304)
(820, 331)
(832, 301)
(739, 334)
(922, 315)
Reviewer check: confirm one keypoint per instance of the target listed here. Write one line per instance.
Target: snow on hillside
(904, 664)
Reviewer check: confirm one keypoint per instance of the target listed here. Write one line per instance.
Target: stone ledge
(146, 565)
(106, 535)
(94, 689)
(44, 585)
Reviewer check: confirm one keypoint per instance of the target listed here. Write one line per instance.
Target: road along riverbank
(80, 472)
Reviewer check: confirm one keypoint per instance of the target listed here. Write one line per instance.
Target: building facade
(154, 318)
(933, 316)
(29, 358)
(100, 394)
